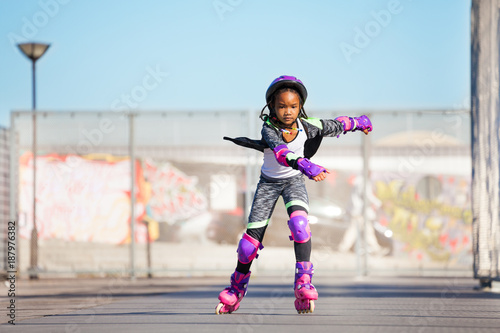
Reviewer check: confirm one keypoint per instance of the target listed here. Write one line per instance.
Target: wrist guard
(309, 169)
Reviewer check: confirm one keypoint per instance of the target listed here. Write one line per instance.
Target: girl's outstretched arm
(344, 124)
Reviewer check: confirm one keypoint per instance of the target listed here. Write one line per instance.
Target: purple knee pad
(355, 124)
(299, 226)
(247, 249)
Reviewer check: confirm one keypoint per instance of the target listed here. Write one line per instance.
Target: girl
(289, 139)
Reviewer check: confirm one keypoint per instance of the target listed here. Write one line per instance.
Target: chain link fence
(192, 193)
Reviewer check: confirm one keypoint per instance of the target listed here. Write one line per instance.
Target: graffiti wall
(174, 195)
(430, 216)
(87, 199)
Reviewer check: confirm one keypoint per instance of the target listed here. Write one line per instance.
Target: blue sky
(222, 54)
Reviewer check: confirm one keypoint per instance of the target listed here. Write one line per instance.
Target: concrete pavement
(346, 304)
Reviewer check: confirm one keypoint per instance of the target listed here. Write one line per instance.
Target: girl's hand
(321, 176)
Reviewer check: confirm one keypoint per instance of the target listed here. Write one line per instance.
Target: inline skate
(305, 292)
(231, 297)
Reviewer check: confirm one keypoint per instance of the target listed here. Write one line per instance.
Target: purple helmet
(286, 81)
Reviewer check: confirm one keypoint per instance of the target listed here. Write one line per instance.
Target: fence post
(132, 196)
(366, 179)
(148, 249)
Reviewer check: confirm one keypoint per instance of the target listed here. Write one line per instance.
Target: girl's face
(287, 107)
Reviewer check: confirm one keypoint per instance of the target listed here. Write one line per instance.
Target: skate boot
(305, 292)
(231, 297)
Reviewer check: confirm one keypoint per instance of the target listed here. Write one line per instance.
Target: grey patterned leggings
(294, 193)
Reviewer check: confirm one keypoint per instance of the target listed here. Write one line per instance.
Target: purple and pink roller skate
(231, 297)
(305, 292)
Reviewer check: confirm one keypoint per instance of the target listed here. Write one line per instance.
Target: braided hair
(272, 114)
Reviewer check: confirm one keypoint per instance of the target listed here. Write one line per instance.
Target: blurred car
(192, 229)
(226, 227)
(328, 221)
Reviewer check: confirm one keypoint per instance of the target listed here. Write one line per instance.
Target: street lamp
(34, 51)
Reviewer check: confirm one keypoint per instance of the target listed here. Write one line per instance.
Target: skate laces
(303, 276)
(238, 288)
(304, 282)
(238, 285)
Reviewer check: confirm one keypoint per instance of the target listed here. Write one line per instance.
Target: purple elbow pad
(355, 124)
(280, 153)
(348, 123)
(309, 169)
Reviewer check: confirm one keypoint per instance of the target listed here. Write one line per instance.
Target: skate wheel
(305, 306)
(222, 308)
(218, 308)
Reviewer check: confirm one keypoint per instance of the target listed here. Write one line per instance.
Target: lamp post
(34, 51)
